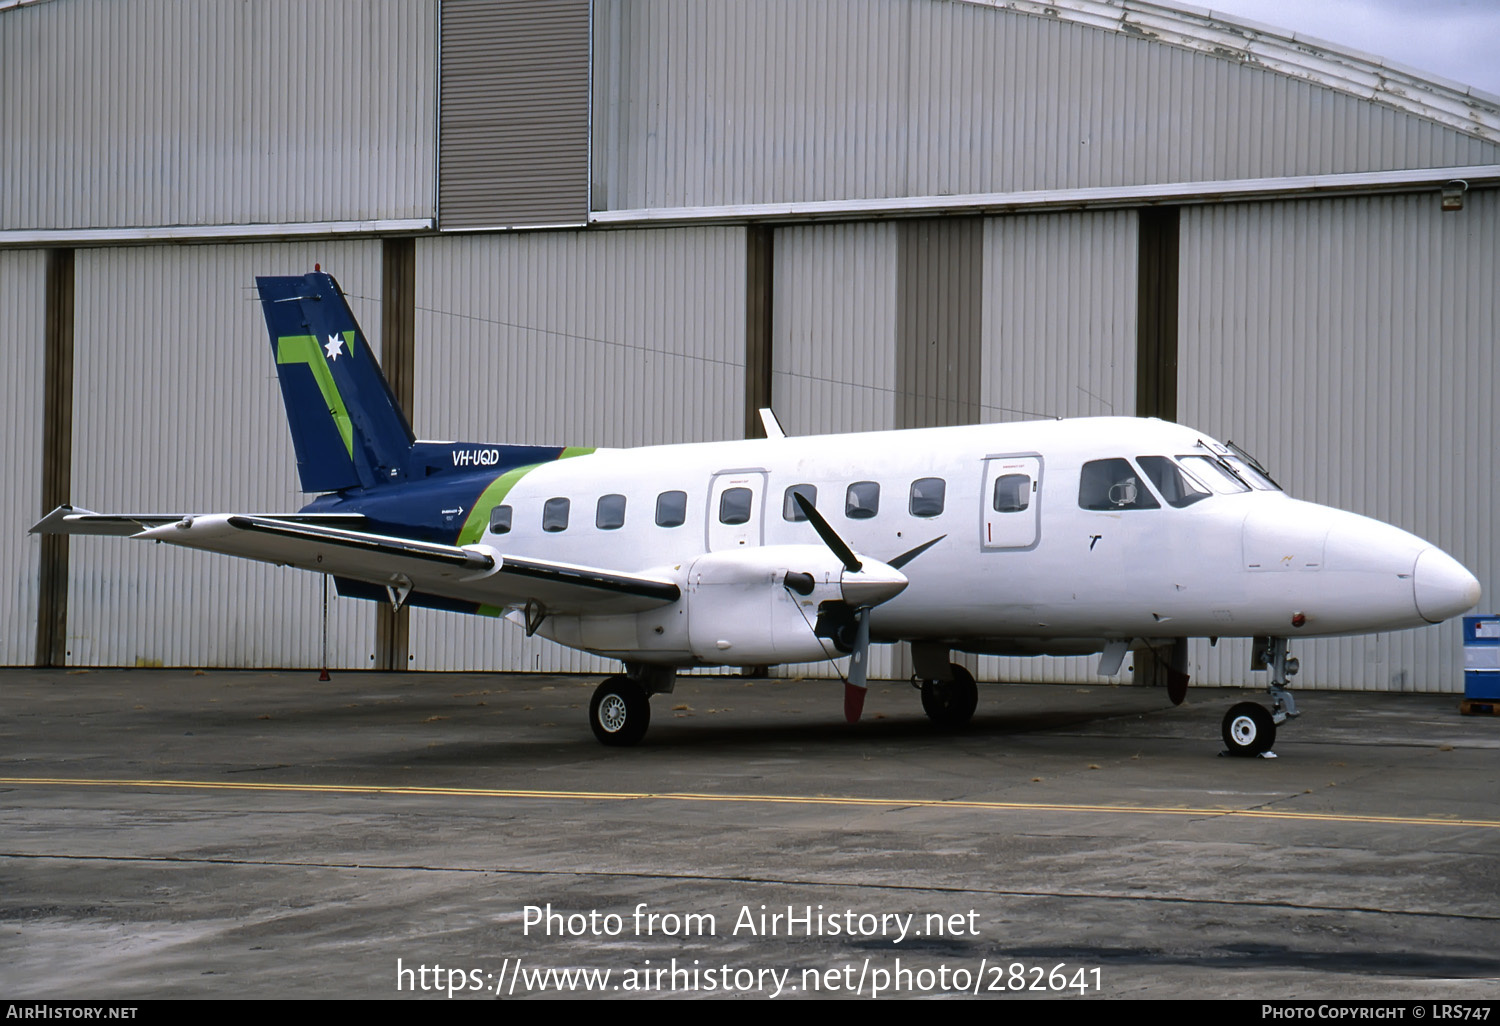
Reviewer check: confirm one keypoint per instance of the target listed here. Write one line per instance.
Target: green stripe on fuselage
(307, 349)
(496, 491)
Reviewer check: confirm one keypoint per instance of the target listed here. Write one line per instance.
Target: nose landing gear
(1248, 729)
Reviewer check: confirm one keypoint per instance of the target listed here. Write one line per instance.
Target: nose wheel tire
(951, 703)
(1248, 730)
(620, 712)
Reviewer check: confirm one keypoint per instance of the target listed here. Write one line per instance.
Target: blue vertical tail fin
(347, 427)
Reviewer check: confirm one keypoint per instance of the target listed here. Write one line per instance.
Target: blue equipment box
(1482, 657)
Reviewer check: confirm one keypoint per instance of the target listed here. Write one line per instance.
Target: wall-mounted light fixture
(1453, 194)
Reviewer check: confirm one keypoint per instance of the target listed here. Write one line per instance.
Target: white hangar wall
(177, 409)
(790, 101)
(22, 312)
(1350, 345)
(598, 339)
(216, 112)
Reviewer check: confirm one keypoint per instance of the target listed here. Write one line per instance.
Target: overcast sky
(1455, 39)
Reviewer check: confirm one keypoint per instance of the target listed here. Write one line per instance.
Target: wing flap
(466, 573)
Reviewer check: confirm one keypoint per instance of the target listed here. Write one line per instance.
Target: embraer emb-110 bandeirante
(1045, 537)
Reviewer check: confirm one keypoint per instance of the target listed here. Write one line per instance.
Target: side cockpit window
(1174, 484)
(1110, 485)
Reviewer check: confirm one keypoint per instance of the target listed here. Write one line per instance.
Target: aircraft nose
(1442, 586)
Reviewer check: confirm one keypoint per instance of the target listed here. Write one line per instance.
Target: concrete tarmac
(256, 834)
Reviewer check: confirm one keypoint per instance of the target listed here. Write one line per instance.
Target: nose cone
(1442, 587)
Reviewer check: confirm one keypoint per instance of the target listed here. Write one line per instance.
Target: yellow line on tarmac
(789, 799)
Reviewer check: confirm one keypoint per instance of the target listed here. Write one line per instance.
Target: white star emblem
(335, 344)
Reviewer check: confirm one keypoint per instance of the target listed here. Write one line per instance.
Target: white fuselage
(1019, 565)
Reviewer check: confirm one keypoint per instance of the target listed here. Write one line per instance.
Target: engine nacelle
(742, 613)
(743, 607)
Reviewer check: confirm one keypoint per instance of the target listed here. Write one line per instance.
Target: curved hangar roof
(855, 101)
(1317, 61)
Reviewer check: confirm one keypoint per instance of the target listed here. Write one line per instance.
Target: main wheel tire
(620, 712)
(951, 703)
(1248, 730)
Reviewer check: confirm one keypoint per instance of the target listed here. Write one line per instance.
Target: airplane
(1063, 537)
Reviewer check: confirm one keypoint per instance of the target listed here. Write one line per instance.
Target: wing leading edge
(464, 573)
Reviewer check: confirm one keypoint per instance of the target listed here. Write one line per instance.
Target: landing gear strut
(1250, 729)
(950, 703)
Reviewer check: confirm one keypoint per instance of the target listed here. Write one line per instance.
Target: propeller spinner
(864, 584)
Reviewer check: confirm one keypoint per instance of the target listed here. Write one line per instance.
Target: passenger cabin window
(1212, 473)
(789, 508)
(927, 496)
(862, 500)
(734, 506)
(1012, 493)
(555, 515)
(671, 509)
(500, 520)
(1174, 483)
(1111, 485)
(610, 513)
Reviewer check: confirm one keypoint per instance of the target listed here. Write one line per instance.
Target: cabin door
(1010, 503)
(736, 499)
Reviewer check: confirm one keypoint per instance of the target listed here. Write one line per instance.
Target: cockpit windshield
(1174, 484)
(1253, 477)
(1212, 473)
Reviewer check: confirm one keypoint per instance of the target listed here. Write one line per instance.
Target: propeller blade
(830, 537)
(855, 686)
(910, 554)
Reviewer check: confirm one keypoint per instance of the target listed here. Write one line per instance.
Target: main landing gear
(1249, 729)
(620, 710)
(950, 703)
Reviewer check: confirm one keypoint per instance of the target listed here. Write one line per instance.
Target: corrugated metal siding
(1350, 344)
(126, 113)
(572, 338)
(22, 311)
(833, 348)
(1060, 315)
(515, 113)
(177, 408)
(786, 100)
(1059, 341)
(939, 317)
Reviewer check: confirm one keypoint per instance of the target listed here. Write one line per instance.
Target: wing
(466, 573)
(67, 519)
